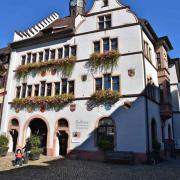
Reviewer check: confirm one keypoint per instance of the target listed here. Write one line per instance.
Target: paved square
(52, 169)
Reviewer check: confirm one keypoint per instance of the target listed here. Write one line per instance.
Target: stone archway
(37, 125)
(13, 131)
(61, 139)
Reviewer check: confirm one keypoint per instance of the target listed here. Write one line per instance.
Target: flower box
(105, 96)
(43, 103)
(64, 65)
(106, 60)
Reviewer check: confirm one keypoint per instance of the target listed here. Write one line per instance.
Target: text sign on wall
(80, 124)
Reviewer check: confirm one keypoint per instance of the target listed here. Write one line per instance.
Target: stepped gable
(34, 30)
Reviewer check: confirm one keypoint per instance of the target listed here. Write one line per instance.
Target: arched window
(62, 123)
(106, 130)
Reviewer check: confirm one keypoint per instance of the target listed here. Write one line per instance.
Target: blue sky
(16, 15)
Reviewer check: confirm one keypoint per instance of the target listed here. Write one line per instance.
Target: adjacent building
(4, 63)
(88, 77)
(174, 69)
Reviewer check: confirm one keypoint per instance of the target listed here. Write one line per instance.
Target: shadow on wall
(108, 128)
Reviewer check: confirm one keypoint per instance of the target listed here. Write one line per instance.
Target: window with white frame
(18, 91)
(46, 54)
(28, 58)
(104, 22)
(29, 91)
(105, 3)
(60, 53)
(49, 89)
(73, 51)
(36, 90)
(97, 48)
(34, 57)
(107, 82)
(23, 60)
(64, 86)
(71, 87)
(114, 44)
(57, 88)
(106, 45)
(53, 54)
(24, 90)
(40, 56)
(110, 44)
(158, 57)
(66, 51)
(43, 86)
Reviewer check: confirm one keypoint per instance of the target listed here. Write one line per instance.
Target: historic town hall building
(91, 76)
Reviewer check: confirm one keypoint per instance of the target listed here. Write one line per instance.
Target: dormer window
(105, 3)
(104, 22)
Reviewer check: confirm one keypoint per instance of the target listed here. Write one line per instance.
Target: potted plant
(105, 145)
(3, 145)
(36, 150)
(156, 149)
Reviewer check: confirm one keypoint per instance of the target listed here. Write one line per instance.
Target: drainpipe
(146, 104)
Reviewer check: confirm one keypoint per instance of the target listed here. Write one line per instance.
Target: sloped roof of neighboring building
(154, 37)
(5, 50)
(60, 28)
(59, 25)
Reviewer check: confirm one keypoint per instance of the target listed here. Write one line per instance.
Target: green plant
(106, 60)
(156, 146)
(105, 145)
(36, 150)
(3, 141)
(35, 141)
(64, 65)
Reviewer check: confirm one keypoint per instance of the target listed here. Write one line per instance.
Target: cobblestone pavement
(52, 169)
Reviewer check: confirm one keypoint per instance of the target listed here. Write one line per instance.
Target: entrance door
(63, 143)
(14, 135)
